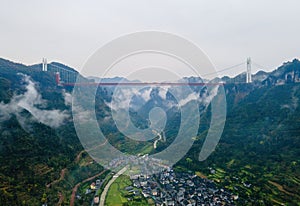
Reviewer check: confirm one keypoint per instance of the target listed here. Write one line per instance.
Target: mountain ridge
(259, 144)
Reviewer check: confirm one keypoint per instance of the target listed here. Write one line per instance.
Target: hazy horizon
(227, 31)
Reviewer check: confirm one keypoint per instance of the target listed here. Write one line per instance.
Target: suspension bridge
(68, 77)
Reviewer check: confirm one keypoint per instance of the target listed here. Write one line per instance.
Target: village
(170, 188)
(166, 187)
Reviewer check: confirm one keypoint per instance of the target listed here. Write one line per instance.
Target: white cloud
(163, 92)
(67, 98)
(208, 98)
(146, 94)
(190, 97)
(32, 101)
(123, 96)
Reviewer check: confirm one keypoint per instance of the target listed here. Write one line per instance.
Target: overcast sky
(228, 31)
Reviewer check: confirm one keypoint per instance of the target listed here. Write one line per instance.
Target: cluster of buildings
(144, 164)
(170, 189)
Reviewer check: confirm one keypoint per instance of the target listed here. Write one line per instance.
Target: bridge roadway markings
(104, 193)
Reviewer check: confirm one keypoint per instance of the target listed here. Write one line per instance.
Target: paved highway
(104, 193)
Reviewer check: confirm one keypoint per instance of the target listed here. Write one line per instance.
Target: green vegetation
(38, 164)
(257, 157)
(118, 195)
(85, 199)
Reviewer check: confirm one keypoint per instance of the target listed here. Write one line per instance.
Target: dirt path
(280, 188)
(61, 199)
(61, 177)
(79, 156)
(96, 147)
(63, 171)
(74, 190)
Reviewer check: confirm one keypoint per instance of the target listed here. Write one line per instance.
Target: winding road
(72, 200)
(159, 139)
(104, 193)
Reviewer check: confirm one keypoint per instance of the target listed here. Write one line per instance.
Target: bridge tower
(57, 78)
(45, 65)
(248, 74)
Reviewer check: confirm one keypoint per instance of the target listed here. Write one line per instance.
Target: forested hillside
(258, 155)
(41, 158)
